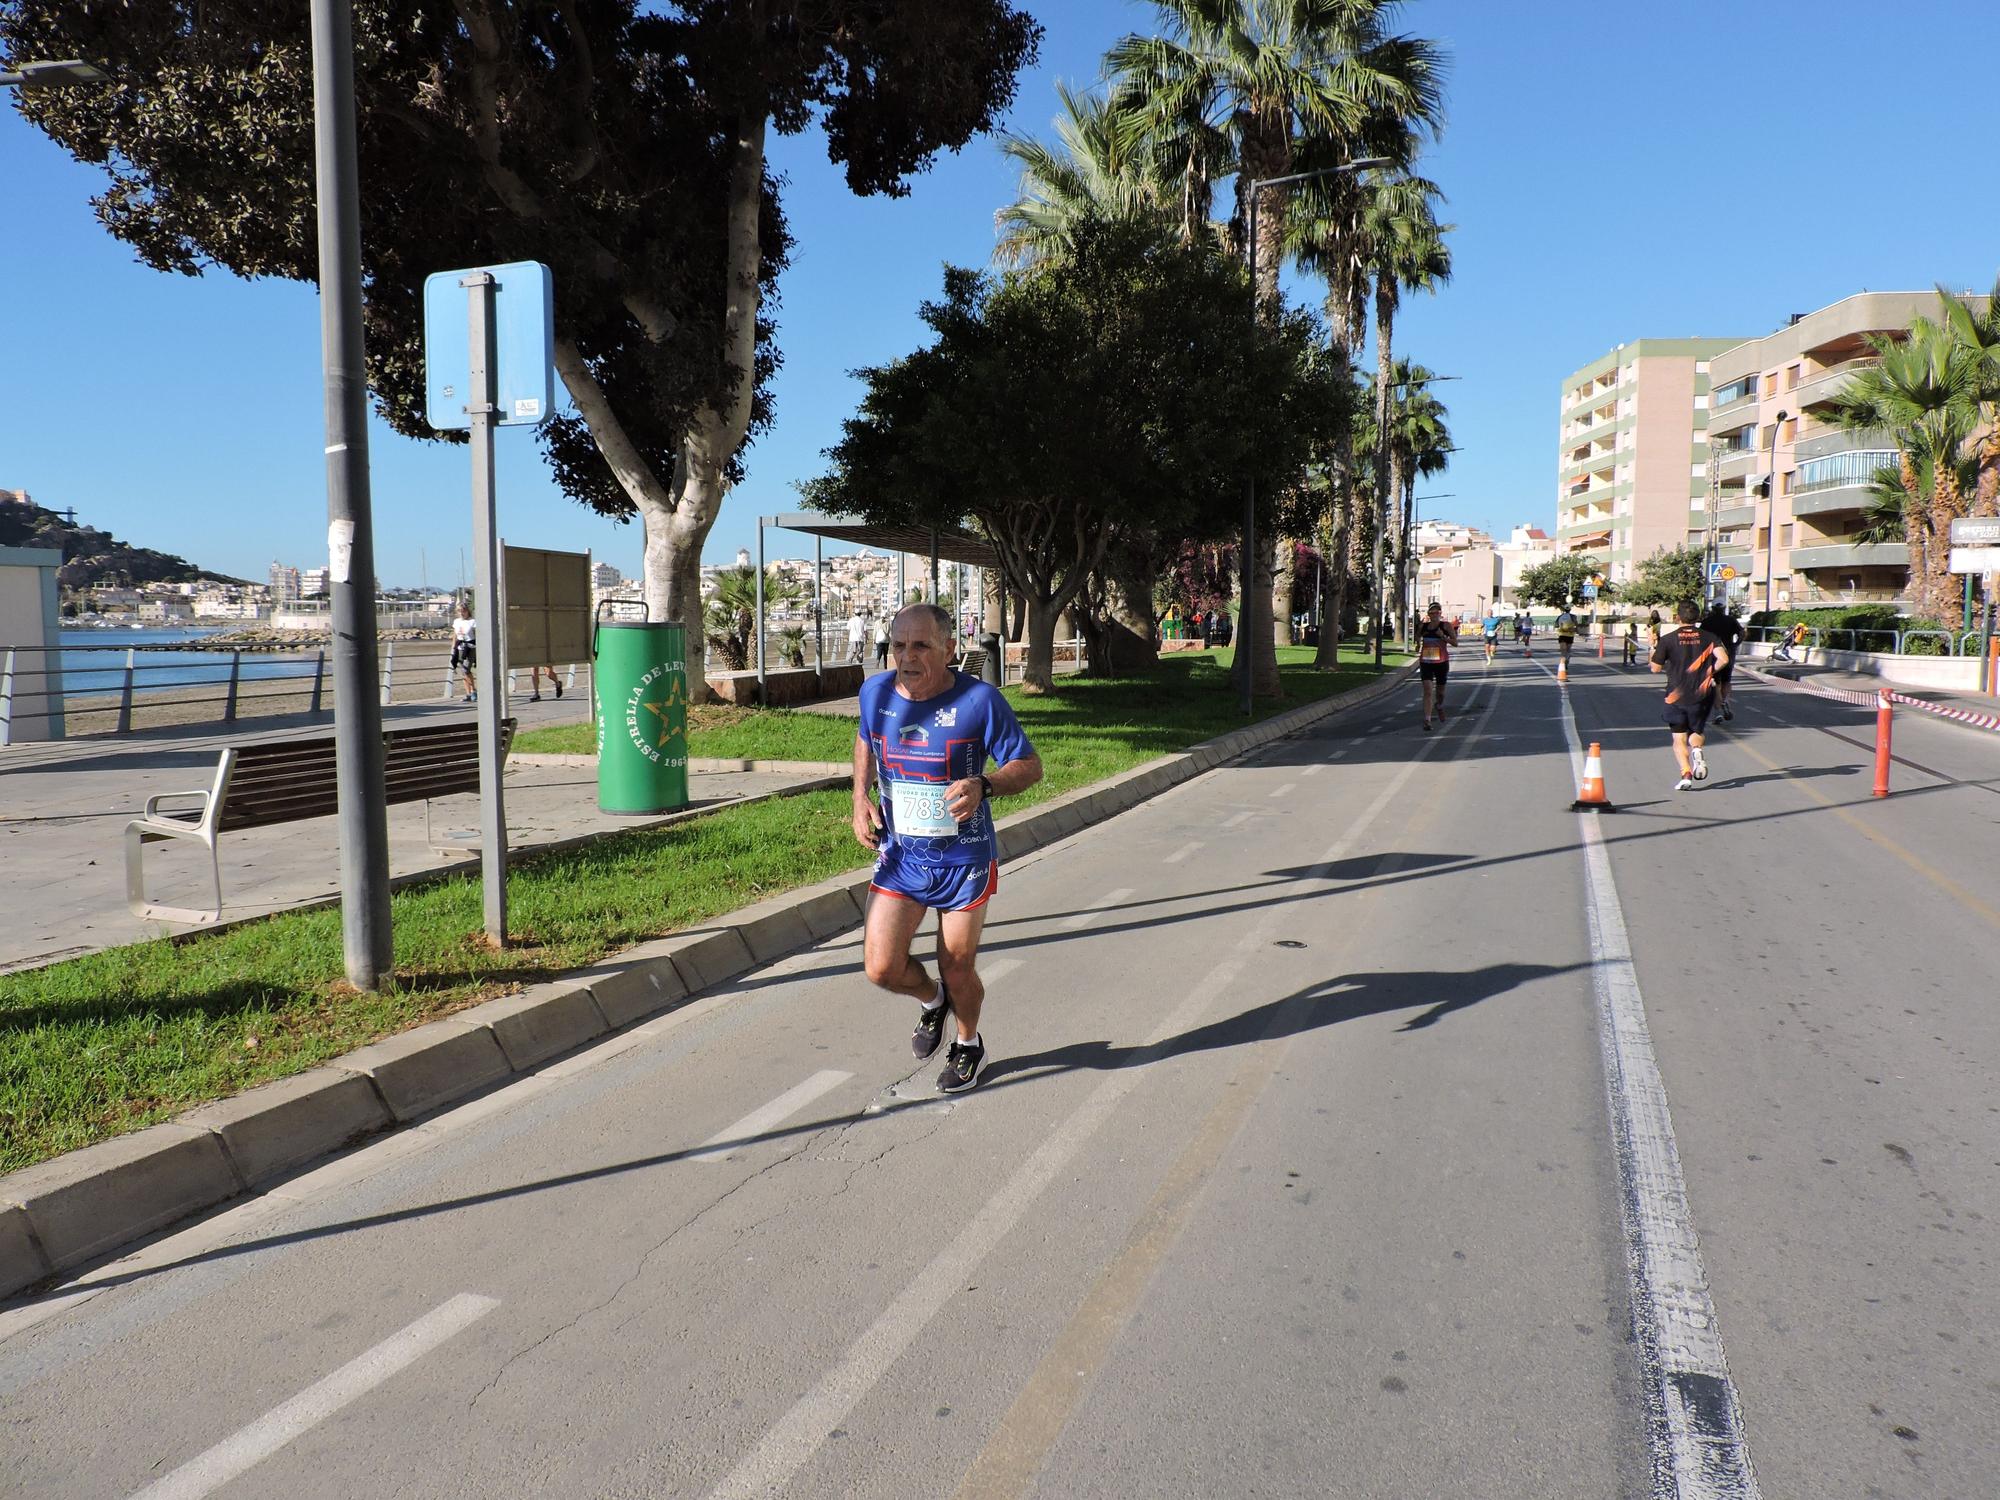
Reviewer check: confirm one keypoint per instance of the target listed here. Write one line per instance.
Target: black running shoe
(558, 689)
(961, 1067)
(930, 1026)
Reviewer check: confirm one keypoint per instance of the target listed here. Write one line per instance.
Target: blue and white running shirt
(921, 747)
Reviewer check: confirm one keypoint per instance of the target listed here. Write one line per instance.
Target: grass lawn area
(113, 1041)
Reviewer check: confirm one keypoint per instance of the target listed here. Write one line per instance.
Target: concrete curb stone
(416, 1071)
(60, 1213)
(95, 1199)
(288, 1122)
(539, 1023)
(21, 1260)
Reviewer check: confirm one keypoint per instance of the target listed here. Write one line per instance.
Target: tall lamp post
(1409, 600)
(1771, 509)
(1247, 564)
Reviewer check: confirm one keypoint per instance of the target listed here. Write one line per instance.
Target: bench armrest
(153, 803)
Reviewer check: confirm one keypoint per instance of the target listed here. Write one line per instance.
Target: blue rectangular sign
(524, 344)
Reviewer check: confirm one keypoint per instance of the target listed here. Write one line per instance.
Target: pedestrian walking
(857, 632)
(926, 735)
(1690, 657)
(535, 682)
(464, 648)
(1725, 627)
(1435, 637)
(881, 643)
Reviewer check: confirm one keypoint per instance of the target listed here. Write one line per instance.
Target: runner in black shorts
(1435, 638)
(1690, 657)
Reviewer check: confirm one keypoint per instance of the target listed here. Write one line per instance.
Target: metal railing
(49, 692)
(1868, 640)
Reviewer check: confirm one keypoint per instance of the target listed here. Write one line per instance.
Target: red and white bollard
(1884, 719)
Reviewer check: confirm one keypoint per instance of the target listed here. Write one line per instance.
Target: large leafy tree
(1242, 83)
(1668, 577)
(622, 145)
(1058, 408)
(1560, 580)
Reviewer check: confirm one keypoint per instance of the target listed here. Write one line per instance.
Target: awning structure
(948, 544)
(1584, 543)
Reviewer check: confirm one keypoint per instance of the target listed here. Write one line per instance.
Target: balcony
(1732, 516)
(1740, 412)
(1852, 555)
(1828, 383)
(1740, 463)
(1823, 444)
(1833, 499)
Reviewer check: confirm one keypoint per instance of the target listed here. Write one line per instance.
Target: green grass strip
(113, 1041)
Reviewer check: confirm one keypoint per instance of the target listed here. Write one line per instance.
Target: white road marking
(1182, 853)
(1336, 754)
(251, 1446)
(790, 1442)
(999, 969)
(1110, 903)
(719, 1147)
(1700, 1449)
(1314, 769)
(1238, 819)
(1283, 791)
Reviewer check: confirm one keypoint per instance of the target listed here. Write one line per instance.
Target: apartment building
(1632, 472)
(1794, 487)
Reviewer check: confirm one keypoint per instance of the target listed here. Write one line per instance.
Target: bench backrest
(283, 781)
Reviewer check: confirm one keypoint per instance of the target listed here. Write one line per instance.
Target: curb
(698, 765)
(76, 1208)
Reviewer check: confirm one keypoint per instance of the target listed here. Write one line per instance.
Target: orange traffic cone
(1562, 671)
(1592, 794)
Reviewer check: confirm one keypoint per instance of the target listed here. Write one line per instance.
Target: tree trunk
(1038, 661)
(1385, 371)
(1333, 580)
(1284, 591)
(1398, 544)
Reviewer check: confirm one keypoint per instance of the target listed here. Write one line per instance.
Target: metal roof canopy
(948, 543)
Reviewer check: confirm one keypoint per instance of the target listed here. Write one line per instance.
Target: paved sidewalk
(63, 811)
(1862, 682)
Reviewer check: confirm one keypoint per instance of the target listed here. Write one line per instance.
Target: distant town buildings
(284, 584)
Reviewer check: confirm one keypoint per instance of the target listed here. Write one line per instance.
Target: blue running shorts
(940, 887)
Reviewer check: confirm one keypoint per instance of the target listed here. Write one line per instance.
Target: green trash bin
(640, 671)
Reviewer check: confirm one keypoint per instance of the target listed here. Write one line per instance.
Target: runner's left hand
(962, 798)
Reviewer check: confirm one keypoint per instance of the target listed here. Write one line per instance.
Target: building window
(1792, 378)
(1785, 535)
(1763, 538)
(1789, 430)
(1771, 384)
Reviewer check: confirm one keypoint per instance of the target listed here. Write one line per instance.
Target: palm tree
(1978, 333)
(1260, 75)
(1406, 252)
(1328, 236)
(1419, 446)
(729, 617)
(1923, 391)
(1096, 170)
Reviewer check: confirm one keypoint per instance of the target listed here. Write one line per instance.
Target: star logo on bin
(675, 699)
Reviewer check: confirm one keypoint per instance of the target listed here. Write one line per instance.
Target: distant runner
(1490, 628)
(1631, 642)
(926, 733)
(1725, 627)
(1566, 624)
(1527, 635)
(1690, 657)
(1435, 638)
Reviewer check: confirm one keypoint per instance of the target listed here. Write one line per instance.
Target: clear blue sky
(1615, 172)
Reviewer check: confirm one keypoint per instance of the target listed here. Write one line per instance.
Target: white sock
(975, 1042)
(936, 1002)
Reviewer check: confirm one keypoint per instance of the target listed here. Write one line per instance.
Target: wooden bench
(287, 781)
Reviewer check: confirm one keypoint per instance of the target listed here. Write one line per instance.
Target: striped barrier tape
(1870, 700)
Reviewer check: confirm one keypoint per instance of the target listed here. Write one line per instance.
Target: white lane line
(783, 1450)
(999, 969)
(1236, 820)
(1314, 769)
(235, 1455)
(1183, 852)
(742, 1133)
(1283, 791)
(1336, 754)
(1700, 1449)
(1110, 903)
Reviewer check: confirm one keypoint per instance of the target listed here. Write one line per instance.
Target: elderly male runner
(926, 734)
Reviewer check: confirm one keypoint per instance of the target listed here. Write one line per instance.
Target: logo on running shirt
(913, 734)
(947, 718)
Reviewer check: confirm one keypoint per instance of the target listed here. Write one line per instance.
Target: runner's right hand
(868, 825)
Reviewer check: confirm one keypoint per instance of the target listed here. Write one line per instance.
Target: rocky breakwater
(264, 638)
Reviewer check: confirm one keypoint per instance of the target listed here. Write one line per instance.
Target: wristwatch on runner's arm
(985, 790)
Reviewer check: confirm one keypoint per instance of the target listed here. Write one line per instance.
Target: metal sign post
(487, 619)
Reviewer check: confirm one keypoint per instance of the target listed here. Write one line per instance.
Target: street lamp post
(1771, 511)
(1247, 564)
(1409, 600)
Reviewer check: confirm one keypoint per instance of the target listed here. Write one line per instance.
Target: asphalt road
(1293, 1171)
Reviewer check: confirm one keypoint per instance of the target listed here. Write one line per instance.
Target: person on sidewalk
(881, 644)
(857, 631)
(1725, 627)
(926, 734)
(1690, 657)
(464, 649)
(535, 682)
(1435, 638)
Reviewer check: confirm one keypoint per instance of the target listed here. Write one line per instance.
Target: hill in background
(91, 557)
